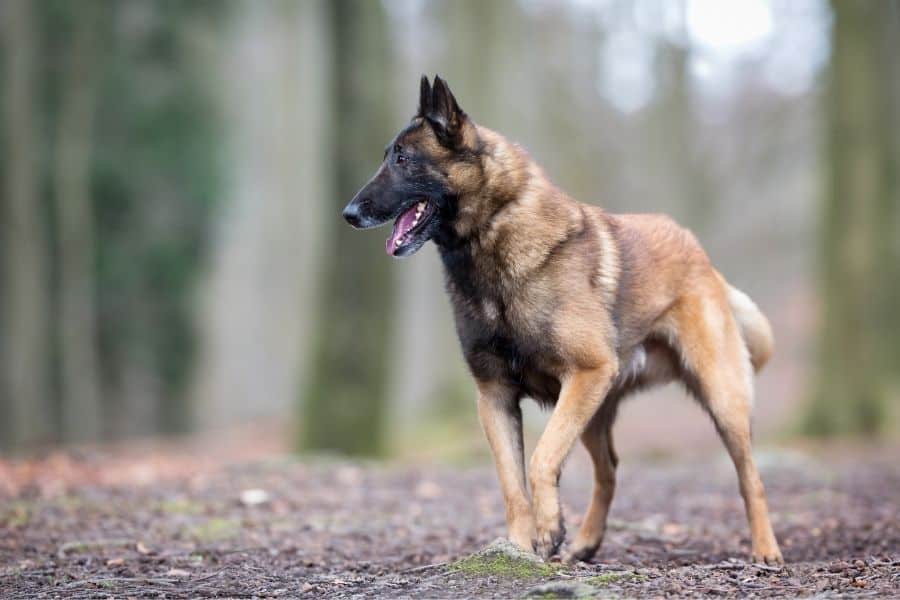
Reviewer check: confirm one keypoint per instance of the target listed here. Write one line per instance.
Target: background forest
(172, 175)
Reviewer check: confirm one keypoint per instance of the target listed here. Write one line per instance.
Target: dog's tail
(755, 328)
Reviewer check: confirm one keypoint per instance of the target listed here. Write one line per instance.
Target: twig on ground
(115, 580)
(83, 545)
(422, 568)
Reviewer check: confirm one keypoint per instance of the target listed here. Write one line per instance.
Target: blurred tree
(155, 181)
(260, 301)
(26, 355)
(858, 348)
(79, 369)
(344, 403)
(675, 128)
(104, 221)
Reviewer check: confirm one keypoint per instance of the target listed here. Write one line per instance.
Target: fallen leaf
(142, 549)
(672, 529)
(115, 562)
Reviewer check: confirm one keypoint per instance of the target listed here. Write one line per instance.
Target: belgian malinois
(569, 305)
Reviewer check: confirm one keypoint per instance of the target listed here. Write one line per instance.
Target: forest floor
(286, 527)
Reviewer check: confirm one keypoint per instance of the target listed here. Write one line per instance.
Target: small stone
(558, 589)
(428, 490)
(254, 497)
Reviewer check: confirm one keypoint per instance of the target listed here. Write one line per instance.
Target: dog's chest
(498, 346)
(506, 333)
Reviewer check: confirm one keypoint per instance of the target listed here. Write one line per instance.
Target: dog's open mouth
(408, 225)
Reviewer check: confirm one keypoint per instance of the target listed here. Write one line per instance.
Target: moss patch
(503, 559)
(502, 565)
(616, 577)
(181, 506)
(18, 514)
(216, 529)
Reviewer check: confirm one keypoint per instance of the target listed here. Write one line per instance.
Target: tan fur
(755, 328)
(596, 306)
(569, 305)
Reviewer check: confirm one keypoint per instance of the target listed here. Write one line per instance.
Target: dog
(569, 305)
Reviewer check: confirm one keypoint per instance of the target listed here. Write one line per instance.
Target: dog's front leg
(501, 418)
(579, 399)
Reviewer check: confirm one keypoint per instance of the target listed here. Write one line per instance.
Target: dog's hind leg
(718, 371)
(654, 364)
(597, 438)
(501, 418)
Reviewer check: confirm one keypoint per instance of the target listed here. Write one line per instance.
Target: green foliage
(155, 189)
(154, 184)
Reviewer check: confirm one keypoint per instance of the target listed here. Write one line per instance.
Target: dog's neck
(512, 221)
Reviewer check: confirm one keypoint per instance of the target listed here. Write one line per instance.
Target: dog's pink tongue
(402, 225)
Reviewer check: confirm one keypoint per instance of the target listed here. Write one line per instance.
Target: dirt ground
(70, 527)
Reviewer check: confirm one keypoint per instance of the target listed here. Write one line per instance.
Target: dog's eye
(401, 159)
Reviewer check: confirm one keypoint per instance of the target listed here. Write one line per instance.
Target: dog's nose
(351, 214)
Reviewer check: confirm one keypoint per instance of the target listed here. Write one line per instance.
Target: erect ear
(424, 97)
(444, 114)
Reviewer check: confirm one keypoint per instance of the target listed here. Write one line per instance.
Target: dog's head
(425, 169)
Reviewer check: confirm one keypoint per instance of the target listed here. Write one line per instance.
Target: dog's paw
(581, 553)
(771, 557)
(549, 539)
(523, 534)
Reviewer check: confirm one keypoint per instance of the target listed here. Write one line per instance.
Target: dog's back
(662, 261)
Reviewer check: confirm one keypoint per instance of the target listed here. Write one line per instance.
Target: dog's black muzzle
(352, 214)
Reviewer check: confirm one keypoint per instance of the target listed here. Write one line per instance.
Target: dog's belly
(650, 363)
(541, 387)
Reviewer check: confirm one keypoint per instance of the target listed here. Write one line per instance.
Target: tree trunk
(262, 294)
(344, 403)
(25, 288)
(859, 252)
(676, 126)
(889, 221)
(80, 388)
